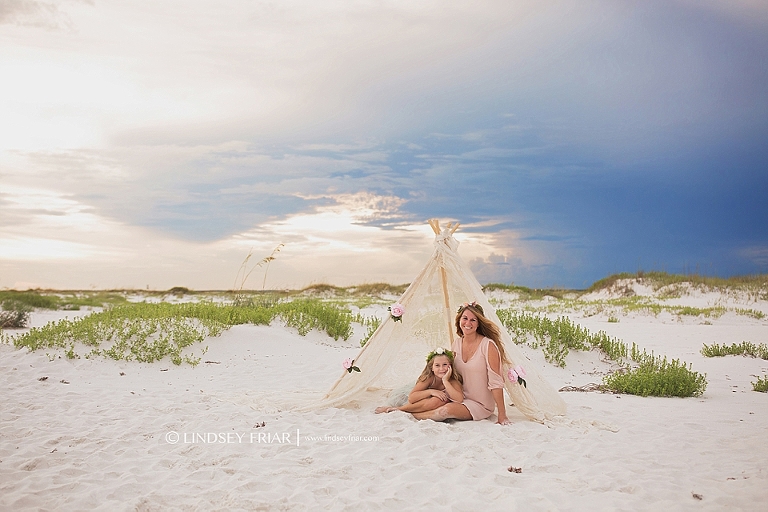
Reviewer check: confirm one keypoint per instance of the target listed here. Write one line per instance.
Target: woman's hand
(501, 410)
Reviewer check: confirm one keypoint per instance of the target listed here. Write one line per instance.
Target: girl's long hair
(485, 327)
(428, 373)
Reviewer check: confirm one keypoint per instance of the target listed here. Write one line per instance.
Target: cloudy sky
(154, 144)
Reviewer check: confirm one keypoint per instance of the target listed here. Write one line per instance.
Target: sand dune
(176, 437)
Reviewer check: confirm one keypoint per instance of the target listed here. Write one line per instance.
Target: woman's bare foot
(384, 408)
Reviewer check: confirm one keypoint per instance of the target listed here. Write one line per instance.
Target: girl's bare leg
(446, 412)
(427, 404)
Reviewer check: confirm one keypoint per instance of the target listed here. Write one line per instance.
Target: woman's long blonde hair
(485, 327)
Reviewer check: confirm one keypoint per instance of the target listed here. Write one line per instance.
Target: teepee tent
(394, 355)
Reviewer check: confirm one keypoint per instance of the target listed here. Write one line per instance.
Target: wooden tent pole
(444, 280)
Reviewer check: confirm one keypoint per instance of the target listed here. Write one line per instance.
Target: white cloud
(333, 243)
(336, 244)
(42, 249)
(172, 70)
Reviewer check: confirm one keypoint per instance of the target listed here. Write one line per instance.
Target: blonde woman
(479, 356)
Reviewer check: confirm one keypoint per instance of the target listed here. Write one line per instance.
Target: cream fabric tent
(394, 356)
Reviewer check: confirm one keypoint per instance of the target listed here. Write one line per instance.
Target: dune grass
(761, 384)
(373, 292)
(14, 314)
(165, 329)
(634, 304)
(526, 293)
(148, 332)
(67, 300)
(745, 348)
(557, 337)
(377, 289)
(371, 322)
(657, 280)
(31, 298)
(142, 332)
(757, 315)
(653, 376)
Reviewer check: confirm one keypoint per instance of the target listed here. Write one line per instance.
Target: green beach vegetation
(650, 376)
(658, 377)
(67, 300)
(751, 283)
(167, 323)
(745, 348)
(557, 337)
(761, 385)
(622, 297)
(148, 332)
(14, 314)
(371, 323)
(525, 293)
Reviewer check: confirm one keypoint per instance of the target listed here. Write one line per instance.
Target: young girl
(437, 385)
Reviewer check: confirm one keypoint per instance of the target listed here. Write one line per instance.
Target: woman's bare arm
(494, 361)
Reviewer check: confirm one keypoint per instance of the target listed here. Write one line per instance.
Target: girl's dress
(479, 379)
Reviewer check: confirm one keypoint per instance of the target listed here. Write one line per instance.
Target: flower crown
(472, 304)
(440, 351)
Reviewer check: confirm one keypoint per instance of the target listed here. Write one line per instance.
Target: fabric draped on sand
(394, 355)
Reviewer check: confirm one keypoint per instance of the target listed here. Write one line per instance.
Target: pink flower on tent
(396, 310)
(516, 374)
(349, 365)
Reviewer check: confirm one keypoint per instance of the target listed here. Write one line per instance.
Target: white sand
(101, 440)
